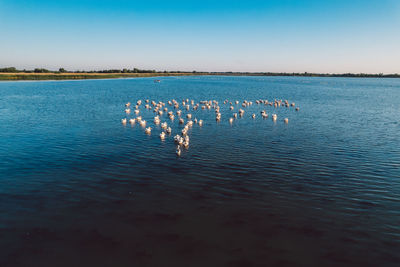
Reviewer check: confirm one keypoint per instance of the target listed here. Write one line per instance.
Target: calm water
(78, 188)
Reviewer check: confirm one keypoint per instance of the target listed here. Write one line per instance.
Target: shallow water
(78, 188)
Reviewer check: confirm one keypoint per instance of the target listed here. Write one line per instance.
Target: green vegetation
(80, 76)
(9, 69)
(41, 71)
(11, 73)
(355, 75)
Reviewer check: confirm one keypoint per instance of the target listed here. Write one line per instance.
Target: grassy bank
(78, 76)
(16, 76)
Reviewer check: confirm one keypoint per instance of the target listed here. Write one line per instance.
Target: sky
(255, 36)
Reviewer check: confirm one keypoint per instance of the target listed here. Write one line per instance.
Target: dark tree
(37, 70)
(9, 69)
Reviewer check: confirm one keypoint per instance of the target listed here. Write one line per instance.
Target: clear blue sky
(287, 35)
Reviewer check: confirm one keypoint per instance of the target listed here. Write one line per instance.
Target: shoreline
(31, 76)
(82, 76)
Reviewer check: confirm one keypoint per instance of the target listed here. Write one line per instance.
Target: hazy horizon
(256, 36)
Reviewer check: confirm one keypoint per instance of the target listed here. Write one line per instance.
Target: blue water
(78, 188)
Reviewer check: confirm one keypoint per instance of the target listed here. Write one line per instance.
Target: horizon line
(130, 70)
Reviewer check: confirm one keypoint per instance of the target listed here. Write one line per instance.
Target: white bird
(218, 117)
(253, 116)
(286, 120)
(230, 120)
(184, 131)
(200, 122)
(176, 138)
(180, 141)
(132, 121)
(189, 116)
(168, 130)
(178, 151)
(162, 135)
(148, 130)
(123, 121)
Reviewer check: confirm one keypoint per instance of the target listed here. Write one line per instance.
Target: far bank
(21, 76)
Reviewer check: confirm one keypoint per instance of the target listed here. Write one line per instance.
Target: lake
(79, 188)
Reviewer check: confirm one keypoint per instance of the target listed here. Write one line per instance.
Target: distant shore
(18, 76)
(80, 76)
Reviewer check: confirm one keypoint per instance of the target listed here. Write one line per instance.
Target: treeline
(355, 75)
(136, 70)
(62, 70)
(14, 70)
(307, 74)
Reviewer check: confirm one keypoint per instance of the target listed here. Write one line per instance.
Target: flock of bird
(175, 109)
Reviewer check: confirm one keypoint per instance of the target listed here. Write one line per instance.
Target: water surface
(78, 188)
